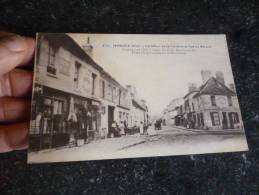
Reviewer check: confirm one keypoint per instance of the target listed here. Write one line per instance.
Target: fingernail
(14, 43)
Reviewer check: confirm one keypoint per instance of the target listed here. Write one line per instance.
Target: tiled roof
(214, 87)
(137, 105)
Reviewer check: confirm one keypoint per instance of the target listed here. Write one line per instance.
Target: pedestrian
(113, 129)
(125, 126)
(122, 130)
(141, 128)
(72, 121)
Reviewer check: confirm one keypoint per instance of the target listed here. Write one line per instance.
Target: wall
(64, 77)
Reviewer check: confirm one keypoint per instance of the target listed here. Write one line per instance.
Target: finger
(15, 51)
(17, 83)
(14, 137)
(14, 110)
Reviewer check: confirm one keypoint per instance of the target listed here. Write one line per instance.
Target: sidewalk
(99, 149)
(205, 131)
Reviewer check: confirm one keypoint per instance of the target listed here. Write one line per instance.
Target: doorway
(224, 120)
(231, 121)
(110, 119)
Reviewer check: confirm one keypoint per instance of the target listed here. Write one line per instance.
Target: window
(186, 106)
(119, 96)
(109, 91)
(213, 100)
(51, 62)
(103, 89)
(181, 109)
(51, 57)
(193, 107)
(76, 74)
(120, 116)
(230, 103)
(215, 118)
(234, 117)
(93, 83)
(113, 93)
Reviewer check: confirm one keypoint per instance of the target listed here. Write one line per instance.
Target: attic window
(213, 100)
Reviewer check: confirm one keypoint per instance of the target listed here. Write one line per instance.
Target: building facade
(74, 98)
(171, 113)
(115, 103)
(212, 106)
(217, 107)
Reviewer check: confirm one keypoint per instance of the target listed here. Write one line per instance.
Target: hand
(15, 91)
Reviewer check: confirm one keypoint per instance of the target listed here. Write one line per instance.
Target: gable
(214, 87)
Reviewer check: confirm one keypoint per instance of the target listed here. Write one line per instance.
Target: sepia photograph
(114, 96)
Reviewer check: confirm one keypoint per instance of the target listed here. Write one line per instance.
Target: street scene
(169, 140)
(94, 99)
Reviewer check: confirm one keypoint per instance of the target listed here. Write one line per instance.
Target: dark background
(229, 173)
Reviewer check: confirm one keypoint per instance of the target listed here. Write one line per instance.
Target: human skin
(15, 90)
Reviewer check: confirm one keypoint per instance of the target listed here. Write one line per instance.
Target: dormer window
(230, 103)
(213, 100)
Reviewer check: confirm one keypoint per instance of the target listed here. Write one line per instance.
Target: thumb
(15, 51)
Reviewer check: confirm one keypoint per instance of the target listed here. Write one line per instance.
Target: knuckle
(5, 85)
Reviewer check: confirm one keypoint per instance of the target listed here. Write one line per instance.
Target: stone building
(217, 105)
(138, 108)
(171, 113)
(211, 106)
(66, 87)
(115, 102)
(74, 97)
(214, 106)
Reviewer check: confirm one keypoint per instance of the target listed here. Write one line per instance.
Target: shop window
(215, 118)
(202, 119)
(213, 100)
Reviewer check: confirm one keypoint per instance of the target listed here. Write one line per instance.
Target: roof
(189, 93)
(214, 87)
(108, 76)
(137, 105)
(61, 39)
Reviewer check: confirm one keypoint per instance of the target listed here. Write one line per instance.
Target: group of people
(118, 130)
(79, 124)
(121, 129)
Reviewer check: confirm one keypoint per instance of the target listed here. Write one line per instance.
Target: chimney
(220, 77)
(143, 102)
(232, 87)
(131, 90)
(192, 87)
(206, 75)
(88, 48)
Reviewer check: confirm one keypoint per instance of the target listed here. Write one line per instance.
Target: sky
(159, 78)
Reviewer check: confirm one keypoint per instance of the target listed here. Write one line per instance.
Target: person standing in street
(141, 128)
(122, 130)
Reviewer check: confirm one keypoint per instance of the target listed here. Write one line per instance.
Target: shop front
(60, 118)
(48, 118)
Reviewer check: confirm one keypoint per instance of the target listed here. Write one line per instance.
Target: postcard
(114, 96)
